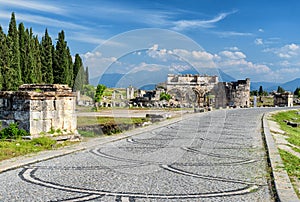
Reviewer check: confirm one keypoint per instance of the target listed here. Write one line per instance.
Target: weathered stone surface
(21, 115)
(283, 99)
(39, 108)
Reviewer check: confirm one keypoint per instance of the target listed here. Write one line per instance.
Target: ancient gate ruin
(209, 91)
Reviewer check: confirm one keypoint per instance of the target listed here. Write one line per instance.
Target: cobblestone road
(216, 156)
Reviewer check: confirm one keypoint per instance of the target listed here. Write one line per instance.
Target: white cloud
(259, 41)
(245, 66)
(284, 55)
(284, 63)
(234, 48)
(231, 34)
(288, 70)
(288, 51)
(195, 58)
(235, 64)
(293, 47)
(92, 39)
(261, 30)
(97, 63)
(147, 67)
(198, 59)
(187, 24)
(45, 21)
(35, 5)
(233, 55)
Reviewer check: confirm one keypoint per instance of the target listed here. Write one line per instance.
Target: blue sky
(259, 39)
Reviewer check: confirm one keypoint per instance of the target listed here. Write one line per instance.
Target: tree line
(261, 92)
(25, 59)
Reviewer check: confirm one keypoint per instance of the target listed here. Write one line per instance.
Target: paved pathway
(216, 156)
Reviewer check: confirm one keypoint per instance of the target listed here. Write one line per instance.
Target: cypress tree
(70, 69)
(260, 91)
(29, 72)
(22, 47)
(46, 58)
(13, 75)
(54, 62)
(26, 71)
(3, 57)
(87, 76)
(37, 56)
(78, 74)
(61, 62)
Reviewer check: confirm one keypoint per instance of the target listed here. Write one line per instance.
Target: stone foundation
(39, 109)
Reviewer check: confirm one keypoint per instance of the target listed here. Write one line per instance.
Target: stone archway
(201, 94)
(185, 96)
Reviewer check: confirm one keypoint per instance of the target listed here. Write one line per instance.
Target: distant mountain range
(269, 86)
(147, 80)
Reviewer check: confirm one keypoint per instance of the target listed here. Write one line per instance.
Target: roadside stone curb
(283, 185)
(17, 162)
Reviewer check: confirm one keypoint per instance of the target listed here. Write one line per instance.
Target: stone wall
(220, 94)
(39, 108)
(283, 99)
(232, 94)
(180, 87)
(189, 80)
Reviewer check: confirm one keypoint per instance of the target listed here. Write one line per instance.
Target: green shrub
(44, 142)
(13, 132)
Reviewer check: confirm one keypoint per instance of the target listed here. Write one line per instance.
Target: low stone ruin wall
(39, 109)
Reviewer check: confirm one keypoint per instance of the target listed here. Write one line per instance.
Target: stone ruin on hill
(39, 108)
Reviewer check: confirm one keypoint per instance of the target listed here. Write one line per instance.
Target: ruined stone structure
(183, 87)
(207, 91)
(189, 80)
(39, 108)
(232, 94)
(129, 93)
(283, 99)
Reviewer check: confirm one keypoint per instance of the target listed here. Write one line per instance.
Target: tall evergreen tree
(54, 62)
(297, 91)
(38, 63)
(3, 57)
(79, 74)
(22, 46)
(87, 77)
(70, 81)
(13, 75)
(61, 63)
(260, 91)
(23, 59)
(280, 90)
(29, 71)
(46, 58)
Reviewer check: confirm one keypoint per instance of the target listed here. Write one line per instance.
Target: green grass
(264, 101)
(19, 147)
(87, 133)
(296, 149)
(292, 133)
(292, 166)
(85, 121)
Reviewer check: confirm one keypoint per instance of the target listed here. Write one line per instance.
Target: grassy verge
(291, 162)
(19, 147)
(95, 126)
(292, 133)
(87, 121)
(292, 166)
